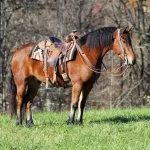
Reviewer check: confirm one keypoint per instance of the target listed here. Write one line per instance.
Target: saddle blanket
(55, 53)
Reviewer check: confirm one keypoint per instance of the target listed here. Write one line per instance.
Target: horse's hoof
(77, 122)
(18, 122)
(70, 122)
(29, 123)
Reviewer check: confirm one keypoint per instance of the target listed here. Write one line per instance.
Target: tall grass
(126, 129)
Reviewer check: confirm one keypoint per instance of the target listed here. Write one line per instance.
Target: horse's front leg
(82, 101)
(81, 106)
(76, 90)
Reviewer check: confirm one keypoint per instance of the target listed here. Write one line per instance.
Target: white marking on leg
(28, 111)
(72, 112)
(79, 106)
(28, 116)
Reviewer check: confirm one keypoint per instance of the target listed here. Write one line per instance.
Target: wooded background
(23, 21)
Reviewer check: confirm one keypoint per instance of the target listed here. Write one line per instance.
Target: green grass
(117, 129)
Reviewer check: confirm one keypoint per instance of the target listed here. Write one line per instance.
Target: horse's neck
(100, 53)
(95, 54)
(104, 51)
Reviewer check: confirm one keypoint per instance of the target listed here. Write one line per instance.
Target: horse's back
(23, 66)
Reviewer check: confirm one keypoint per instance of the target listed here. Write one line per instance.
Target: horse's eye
(124, 41)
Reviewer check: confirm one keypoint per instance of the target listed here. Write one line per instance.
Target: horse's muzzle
(129, 62)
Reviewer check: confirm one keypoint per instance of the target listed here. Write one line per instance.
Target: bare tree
(34, 20)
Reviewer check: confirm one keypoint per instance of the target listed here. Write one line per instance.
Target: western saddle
(55, 53)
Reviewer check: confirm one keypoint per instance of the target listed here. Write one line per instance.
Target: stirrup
(65, 76)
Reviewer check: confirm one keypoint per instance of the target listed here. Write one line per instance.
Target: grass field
(116, 129)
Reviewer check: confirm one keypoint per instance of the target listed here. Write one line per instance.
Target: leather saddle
(55, 52)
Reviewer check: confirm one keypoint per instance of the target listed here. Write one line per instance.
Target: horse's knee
(74, 105)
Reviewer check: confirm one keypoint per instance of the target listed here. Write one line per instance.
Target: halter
(122, 48)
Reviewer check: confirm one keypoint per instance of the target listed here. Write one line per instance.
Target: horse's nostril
(133, 61)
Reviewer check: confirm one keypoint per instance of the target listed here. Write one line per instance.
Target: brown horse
(28, 73)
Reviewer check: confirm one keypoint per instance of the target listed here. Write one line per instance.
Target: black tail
(13, 92)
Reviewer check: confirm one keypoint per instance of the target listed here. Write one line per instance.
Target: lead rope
(120, 42)
(45, 69)
(105, 72)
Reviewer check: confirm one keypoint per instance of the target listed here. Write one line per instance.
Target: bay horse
(27, 73)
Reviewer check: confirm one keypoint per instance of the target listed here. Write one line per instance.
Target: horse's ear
(123, 30)
(129, 29)
(115, 34)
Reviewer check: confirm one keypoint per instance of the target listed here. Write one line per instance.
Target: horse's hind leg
(33, 86)
(19, 102)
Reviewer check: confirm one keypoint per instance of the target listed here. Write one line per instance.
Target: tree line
(33, 20)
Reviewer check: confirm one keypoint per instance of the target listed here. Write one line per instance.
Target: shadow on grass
(52, 123)
(116, 119)
(121, 119)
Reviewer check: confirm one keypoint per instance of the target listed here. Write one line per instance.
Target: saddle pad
(37, 53)
(52, 53)
(55, 53)
(70, 55)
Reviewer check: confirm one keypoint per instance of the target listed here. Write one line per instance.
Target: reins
(105, 72)
(89, 65)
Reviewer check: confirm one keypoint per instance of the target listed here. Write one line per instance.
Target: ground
(115, 129)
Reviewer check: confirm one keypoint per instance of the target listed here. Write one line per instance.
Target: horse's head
(122, 45)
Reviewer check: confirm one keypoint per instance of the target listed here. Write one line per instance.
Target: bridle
(122, 48)
(90, 66)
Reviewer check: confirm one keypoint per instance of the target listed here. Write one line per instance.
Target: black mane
(101, 37)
